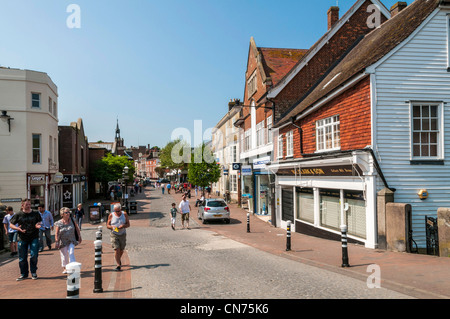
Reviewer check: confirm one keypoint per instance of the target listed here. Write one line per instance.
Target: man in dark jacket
(27, 222)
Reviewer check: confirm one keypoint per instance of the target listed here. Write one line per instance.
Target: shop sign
(225, 172)
(67, 179)
(38, 179)
(246, 170)
(10, 200)
(57, 178)
(336, 170)
(260, 163)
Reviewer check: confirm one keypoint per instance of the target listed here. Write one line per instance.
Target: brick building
(367, 126)
(265, 68)
(73, 163)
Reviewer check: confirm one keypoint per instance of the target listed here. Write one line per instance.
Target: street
(200, 263)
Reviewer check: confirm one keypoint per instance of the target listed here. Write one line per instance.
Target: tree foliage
(203, 169)
(176, 155)
(110, 168)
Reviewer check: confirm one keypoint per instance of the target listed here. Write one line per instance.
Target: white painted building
(225, 147)
(29, 156)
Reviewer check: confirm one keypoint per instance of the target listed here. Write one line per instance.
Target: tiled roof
(367, 52)
(278, 62)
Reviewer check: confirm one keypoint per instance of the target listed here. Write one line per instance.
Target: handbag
(75, 229)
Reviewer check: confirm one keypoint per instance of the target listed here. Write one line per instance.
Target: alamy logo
(374, 20)
(74, 19)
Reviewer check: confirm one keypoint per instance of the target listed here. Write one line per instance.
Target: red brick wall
(353, 108)
(261, 113)
(318, 65)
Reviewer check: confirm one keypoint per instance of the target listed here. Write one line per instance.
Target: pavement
(416, 275)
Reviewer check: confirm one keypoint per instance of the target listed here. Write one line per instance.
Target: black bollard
(98, 267)
(288, 236)
(248, 222)
(344, 246)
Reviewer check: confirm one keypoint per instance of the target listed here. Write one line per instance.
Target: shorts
(172, 220)
(12, 237)
(185, 216)
(118, 241)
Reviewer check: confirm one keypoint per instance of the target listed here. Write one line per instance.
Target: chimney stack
(396, 8)
(333, 16)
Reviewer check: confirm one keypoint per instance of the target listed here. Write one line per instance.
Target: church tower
(118, 141)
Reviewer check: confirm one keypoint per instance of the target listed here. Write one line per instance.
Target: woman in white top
(118, 222)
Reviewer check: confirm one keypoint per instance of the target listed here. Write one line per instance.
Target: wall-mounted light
(6, 118)
(423, 194)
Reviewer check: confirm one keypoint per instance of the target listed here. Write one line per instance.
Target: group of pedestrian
(27, 229)
(184, 208)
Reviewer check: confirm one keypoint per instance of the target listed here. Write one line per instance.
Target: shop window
(330, 210)
(37, 195)
(305, 204)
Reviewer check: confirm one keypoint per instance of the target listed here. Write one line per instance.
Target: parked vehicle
(213, 209)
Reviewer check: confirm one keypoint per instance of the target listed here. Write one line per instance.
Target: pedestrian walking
(46, 228)
(162, 188)
(67, 236)
(118, 222)
(169, 186)
(27, 222)
(196, 191)
(185, 209)
(173, 213)
(79, 214)
(12, 233)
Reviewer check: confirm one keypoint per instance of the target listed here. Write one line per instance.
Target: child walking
(173, 212)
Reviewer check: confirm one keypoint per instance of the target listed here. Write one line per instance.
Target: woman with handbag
(67, 236)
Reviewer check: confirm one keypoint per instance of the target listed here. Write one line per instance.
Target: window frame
(440, 130)
(321, 131)
(280, 153)
(252, 86)
(39, 149)
(32, 100)
(290, 143)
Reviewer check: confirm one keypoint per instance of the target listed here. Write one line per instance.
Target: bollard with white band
(73, 280)
(288, 236)
(344, 246)
(98, 267)
(248, 222)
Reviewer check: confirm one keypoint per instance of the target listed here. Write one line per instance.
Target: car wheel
(227, 221)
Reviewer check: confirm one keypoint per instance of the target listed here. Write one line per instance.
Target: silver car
(213, 209)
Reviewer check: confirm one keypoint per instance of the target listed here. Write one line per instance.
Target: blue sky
(155, 65)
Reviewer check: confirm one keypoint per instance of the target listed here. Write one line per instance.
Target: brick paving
(415, 275)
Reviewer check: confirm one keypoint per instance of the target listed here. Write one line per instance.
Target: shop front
(44, 189)
(320, 195)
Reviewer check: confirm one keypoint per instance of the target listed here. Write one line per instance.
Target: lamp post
(125, 178)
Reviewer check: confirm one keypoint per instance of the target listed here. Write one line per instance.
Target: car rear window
(216, 204)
